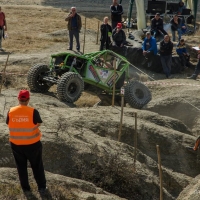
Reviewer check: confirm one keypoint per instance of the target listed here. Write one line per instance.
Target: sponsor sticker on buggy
(112, 78)
(103, 74)
(94, 73)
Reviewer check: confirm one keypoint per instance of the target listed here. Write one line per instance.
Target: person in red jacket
(3, 26)
(23, 122)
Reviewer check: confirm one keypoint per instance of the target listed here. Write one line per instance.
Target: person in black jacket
(166, 47)
(176, 26)
(74, 26)
(181, 6)
(116, 13)
(118, 35)
(106, 32)
(157, 26)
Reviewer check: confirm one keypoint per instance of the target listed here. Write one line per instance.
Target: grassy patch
(27, 28)
(14, 192)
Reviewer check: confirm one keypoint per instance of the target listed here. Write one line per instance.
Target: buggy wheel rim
(139, 93)
(72, 89)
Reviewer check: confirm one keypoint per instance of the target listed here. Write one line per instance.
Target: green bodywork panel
(95, 68)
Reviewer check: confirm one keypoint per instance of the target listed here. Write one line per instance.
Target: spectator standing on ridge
(106, 32)
(176, 23)
(3, 26)
(149, 48)
(183, 54)
(118, 35)
(23, 122)
(197, 68)
(157, 26)
(116, 13)
(74, 27)
(166, 47)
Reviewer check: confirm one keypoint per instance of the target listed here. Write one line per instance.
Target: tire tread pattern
(62, 83)
(132, 99)
(33, 73)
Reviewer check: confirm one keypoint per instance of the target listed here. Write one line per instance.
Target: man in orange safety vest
(23, 122)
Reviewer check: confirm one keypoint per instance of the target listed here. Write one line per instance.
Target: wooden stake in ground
(84, 37)
(122, 113)
(4, 73)
(114, 81)
(135, 142)
(98, 33)
(160, 172)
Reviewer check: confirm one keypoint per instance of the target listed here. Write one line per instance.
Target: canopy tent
(141, 20)
(193, 5)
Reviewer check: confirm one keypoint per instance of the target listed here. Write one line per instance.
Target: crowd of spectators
(114, 35)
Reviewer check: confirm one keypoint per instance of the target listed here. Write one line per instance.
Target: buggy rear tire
(70, 87)
(137, 94)
(34, 79)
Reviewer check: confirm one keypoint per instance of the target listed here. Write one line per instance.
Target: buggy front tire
(35, 78)
(70, 87)
(137, 94)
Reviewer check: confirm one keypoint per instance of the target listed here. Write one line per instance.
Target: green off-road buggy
(70, 71)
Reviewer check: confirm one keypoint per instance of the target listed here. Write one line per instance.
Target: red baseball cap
(23, 95)
(119, 25)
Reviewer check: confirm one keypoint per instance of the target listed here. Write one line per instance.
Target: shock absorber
(73, 63)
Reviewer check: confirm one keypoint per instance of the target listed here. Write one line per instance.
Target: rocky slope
(82, 143)
(59, 187)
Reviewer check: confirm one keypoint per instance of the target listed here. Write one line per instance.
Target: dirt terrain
(80, 139)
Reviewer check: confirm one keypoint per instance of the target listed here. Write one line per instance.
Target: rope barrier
(190, 104)
(171, 84)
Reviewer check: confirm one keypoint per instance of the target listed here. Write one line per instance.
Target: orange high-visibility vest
(22, 129)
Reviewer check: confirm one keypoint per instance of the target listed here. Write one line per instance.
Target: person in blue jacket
(149, 48)
(181, 6)
(183, 54)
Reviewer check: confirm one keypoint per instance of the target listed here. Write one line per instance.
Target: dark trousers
(149, 55)
(156, 32)
(184, 60)
(114, 24)
(117, 44)
(33, 154)
(74, 33)
(174, 34)
(103, 41)
(166, 64)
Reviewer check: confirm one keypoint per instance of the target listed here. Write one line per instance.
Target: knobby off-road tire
(70, 87)
(34, 79)
(137, 94)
